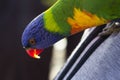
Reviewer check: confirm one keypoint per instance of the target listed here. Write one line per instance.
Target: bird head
(36, 38)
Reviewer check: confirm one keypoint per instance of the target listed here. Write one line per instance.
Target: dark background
(15, 64)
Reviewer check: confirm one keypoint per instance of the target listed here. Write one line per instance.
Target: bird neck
(56, 17)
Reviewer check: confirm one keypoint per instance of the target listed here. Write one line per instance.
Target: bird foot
(113, 27)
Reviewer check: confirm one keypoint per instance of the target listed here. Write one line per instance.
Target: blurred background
(15, 64)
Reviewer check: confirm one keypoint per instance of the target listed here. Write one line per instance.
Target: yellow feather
(82, 20)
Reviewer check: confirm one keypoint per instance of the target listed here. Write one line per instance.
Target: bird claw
(110, 28)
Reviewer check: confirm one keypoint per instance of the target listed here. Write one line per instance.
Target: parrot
(65, 18)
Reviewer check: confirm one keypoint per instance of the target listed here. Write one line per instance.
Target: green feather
(108, 9)
(55, 18)
(59, 16)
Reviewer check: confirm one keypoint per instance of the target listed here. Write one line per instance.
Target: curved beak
(34, 53)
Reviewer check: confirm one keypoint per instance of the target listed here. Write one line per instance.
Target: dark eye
(32, 41)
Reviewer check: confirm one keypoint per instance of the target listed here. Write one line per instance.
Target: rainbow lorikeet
(65, 18)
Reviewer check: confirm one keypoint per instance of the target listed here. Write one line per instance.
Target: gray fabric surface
(104, 63)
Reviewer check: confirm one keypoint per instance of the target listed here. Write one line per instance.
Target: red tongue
(34, 52)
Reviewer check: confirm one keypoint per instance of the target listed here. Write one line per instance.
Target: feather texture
(67, 17)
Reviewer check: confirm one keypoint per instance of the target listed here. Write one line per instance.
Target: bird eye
(32, 41)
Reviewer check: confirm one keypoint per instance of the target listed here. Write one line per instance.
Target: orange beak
(34, 53)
